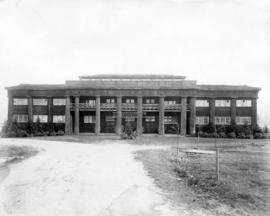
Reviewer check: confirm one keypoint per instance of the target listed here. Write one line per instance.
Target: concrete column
(139, 115)
(192, 116)
(77, 115)
(67, 118)
(254, 113)
(50, 109)
(97, 126)
(212, 109)
(183, 116)
(10, 109)
(233, 110)
(161, 116)
(30, 109)
(119, 115)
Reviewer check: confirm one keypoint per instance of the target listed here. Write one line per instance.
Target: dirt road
(81, 179)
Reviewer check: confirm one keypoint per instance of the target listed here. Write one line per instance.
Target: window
(222, 103)
(150, 118)
(222, 120)
(59, 101)
(168, 119)
(202, 103)
(109, 118)
(40, 102)
(241, 120)
(91, 102)
(20, 101)
(110, 100)
(150, 101)
(89, 119)
(42, 118)
(202, 120)
(170, 102)
(130, 101)
(243, 103)
(20, 118)
(59, 119)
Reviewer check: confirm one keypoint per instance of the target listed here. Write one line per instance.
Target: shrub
(222, 135)
(232, 135)
(265, 129)
(53, 133)
(60, 133)
(21, 133)
(11, 134)
(210, 128)
(260, 136)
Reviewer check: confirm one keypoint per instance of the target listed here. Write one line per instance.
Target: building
(149, 103)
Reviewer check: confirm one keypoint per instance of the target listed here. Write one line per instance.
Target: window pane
(40, 101)
(222, 103)
(42, 118)
(243, 103)
(20, 101)
(20, 118)
(202, 103)
(202, 120)
(58, 119)
(59, 101)
(241, 120)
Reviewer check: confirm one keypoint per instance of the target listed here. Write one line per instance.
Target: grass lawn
(244, 188)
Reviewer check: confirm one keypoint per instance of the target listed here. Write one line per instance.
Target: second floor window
(150, 101)
(128, 100)
(243, 103)
(202, 103)
(110, 100)
(222, 103)
(40, 101)
(59, 101)
(20, 101)
(170, 102)
(91, 102)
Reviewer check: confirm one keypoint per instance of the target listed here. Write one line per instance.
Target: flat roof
(117, 76)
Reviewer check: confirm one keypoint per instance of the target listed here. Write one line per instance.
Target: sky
(211, 41)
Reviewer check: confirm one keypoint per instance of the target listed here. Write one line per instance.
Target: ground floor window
(222, 120)
(89, 119)
(168, 119)
(241, 120)
(150, 118)
(202, 120)
(59, 119)
(42, 118)
(20, 118)
(109, 118)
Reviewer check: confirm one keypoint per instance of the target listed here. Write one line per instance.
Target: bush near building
(231, 131)
(30, 129)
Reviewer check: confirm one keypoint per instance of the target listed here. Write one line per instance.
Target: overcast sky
(211, 41)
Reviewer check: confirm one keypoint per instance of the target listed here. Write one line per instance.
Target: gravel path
(81, 179)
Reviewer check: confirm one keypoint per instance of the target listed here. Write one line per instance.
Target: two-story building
(150, 103)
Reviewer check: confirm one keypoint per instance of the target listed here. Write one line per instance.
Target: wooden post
(217, 165)
(77, 115)
(97, 126)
